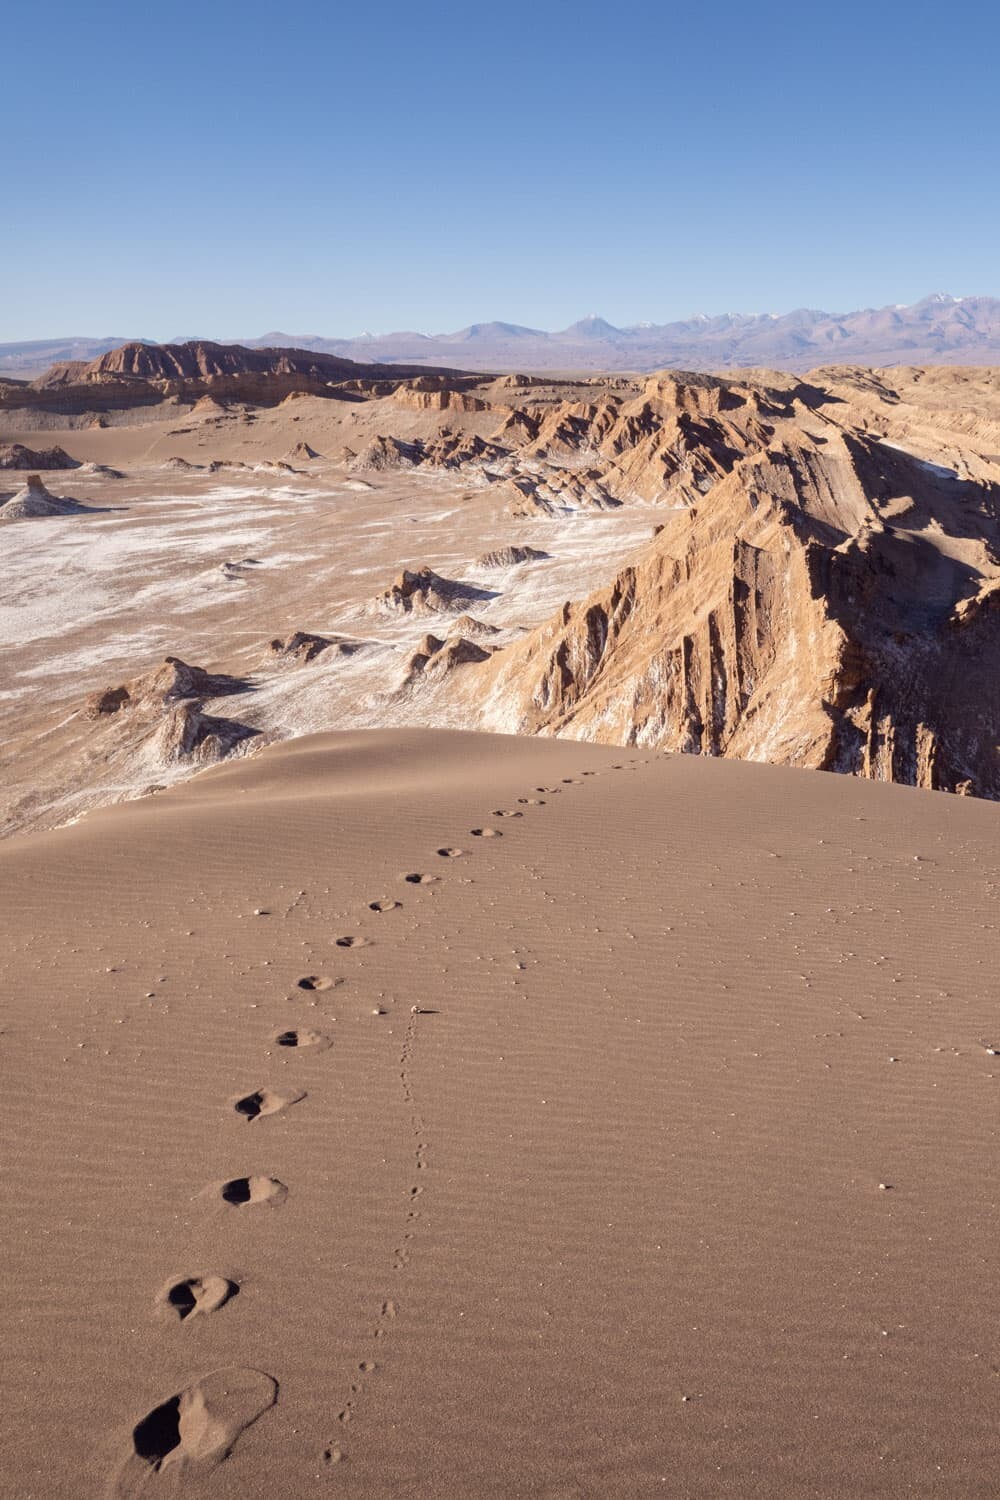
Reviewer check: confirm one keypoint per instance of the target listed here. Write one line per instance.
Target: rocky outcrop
(435, 658)
(187, 733)
(385, 453)
(448, 449)
(509, 557)
(107, 701)
(101, 471)
(136, 374)
(17, 456)
(420, 656)
(160, 715)
(457, 651)
(302, 647)
(828, 603)
(475, 629)
(549, 490)
(418, 396)
(34, 501)
(207, 407)
(422, 591)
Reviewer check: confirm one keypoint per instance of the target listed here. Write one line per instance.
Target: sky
(232, 169)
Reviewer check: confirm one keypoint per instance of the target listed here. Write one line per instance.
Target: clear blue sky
(235, 166)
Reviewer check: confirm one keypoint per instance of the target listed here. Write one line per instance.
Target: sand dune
(643, 1150)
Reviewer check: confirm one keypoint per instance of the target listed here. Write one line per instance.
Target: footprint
(451, 853)
(486, 833)
(419, 879)
(570, 781)
(195, 1294)
(386, 905)
(265, 1102)
(302, 1038)
(315, 982)
(192, 1432)
(353, 942)
(240, 1191)
(506, 812)
(532, 801)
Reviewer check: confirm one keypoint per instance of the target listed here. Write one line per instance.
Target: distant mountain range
(940, 329)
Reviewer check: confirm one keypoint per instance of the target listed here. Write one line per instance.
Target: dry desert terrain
(499, 928)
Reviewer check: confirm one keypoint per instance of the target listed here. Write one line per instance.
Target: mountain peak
(593, 326)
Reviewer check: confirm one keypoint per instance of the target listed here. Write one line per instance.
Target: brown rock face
(188, 733)
(421, 395)
(830, 601)
(17, 456)
(301, 646)
(422, 591)
(384, 453)
(509, 557)
(107, 701)
(144, 374)
(161, 714)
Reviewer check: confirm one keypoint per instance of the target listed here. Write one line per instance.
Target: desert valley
(499, 915)
(207, 549)
(499, 803)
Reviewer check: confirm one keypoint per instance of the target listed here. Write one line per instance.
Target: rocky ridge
(824, 599)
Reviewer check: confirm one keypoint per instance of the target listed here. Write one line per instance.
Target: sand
(646, 1149)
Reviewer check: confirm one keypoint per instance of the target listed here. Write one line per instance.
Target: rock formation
(301, 647)
(161, 715)
(17, 456)
(136, 374)
(475, 629)
(34, 500)
(102, 471)
(435, 658)
(435, 396)
(387, 453)
(830, 601)
(422, 591)
(509, 557)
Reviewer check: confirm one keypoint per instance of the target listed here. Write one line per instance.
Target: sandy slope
(679, 1180)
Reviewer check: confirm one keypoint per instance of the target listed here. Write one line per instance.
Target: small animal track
(196, 1429)
(193, 1295)
(451, 853)
(302, 1038)
(385, 905)
(334, 1452)
(486, 833)
(264, 1102)
(315, 982)
(241, 1192)
(353, 942)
